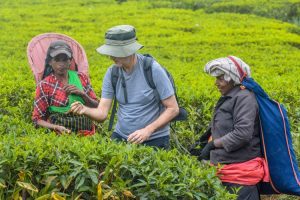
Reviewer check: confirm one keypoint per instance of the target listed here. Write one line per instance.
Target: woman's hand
(57, 128)
(61, 129)
(205, 153)
(72, 89)
(78, 108)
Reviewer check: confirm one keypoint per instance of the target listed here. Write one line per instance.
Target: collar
(233, 91)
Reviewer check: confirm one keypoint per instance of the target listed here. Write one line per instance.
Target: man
(143, 113)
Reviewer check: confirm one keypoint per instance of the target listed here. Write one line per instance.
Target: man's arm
(165, 117)
(98, 114)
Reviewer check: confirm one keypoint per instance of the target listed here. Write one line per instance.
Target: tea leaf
(2, 185)
(55, 196)
(128, 194)
(99, 191)
(44, 197)
(21, 175)
(79, 182)
(27, 186)
(93, 175)
(107, 194)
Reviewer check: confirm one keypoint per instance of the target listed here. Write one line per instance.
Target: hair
(48, 68)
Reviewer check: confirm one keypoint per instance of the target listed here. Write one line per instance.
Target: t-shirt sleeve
(107, 88)
(162, 82)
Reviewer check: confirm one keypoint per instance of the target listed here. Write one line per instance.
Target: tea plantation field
(183, 36)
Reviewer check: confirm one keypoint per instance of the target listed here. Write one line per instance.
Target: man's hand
(139, 136)
(78, 108)
(72, 89)
(61, 129)
(205, 153)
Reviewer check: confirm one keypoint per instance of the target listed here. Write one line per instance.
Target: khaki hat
(120, 41)
(59, 47)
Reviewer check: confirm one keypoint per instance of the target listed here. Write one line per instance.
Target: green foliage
(285, 10)
(282, 10)
(72, 166)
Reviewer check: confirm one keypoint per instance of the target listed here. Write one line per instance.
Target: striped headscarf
(226, 67)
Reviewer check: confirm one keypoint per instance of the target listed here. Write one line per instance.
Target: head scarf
(226, 67)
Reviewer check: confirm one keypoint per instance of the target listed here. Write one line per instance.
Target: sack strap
(173, 84)
(114, 79)
(148, 61)
(112, 115)
(123, 83)
(240, 70)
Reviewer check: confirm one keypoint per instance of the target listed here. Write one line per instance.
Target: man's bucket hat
(59, 47)
(120, 41)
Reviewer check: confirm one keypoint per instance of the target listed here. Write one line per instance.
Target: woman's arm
(90, 102)
(57, 128)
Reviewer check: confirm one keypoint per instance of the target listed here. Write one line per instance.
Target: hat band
(119, 42)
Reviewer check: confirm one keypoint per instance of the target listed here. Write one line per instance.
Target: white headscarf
(226, 66)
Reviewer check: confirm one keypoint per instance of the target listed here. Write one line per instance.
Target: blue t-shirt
(143, 106)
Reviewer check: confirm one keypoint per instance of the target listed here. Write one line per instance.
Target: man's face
(122, 61)
(223, 86)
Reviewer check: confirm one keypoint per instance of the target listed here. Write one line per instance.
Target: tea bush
(70, 166)
(285, 10)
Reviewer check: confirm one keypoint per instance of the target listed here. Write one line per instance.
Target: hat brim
(119, 51)
(61, 51)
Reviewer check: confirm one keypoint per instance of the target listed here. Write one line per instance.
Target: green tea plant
(71, 166)
(285, 10)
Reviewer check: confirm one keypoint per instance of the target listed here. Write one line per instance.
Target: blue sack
(276, 140)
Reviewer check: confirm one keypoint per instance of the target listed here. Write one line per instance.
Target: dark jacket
(236, 122)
